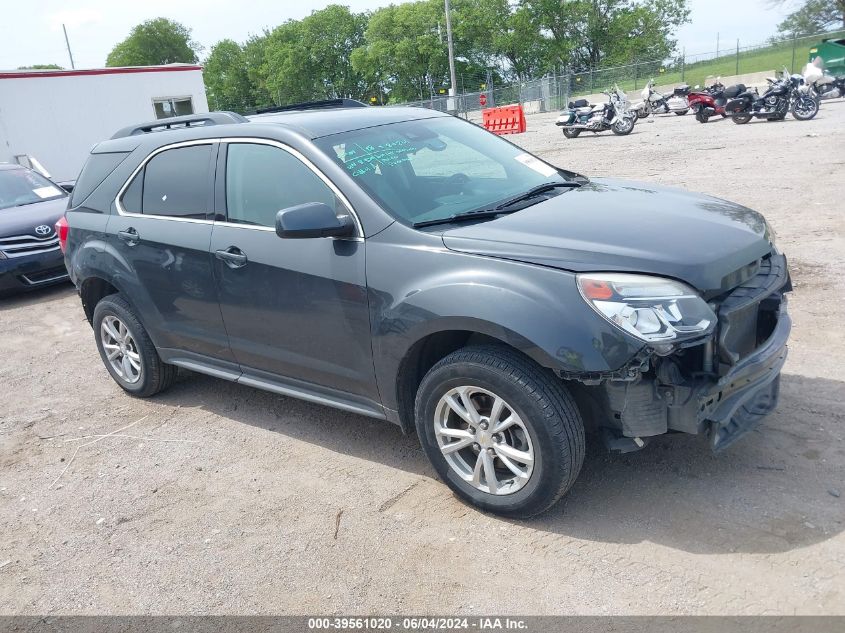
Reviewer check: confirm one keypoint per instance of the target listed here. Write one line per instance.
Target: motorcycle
(710, 101)
(614, 115)
(783, 95)
(656, 103)
(820, 85)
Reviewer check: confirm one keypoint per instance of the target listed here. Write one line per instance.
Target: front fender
(416, 292)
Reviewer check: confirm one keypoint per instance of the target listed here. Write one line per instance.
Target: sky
(31, 32)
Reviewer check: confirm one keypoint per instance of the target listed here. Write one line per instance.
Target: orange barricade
(505, 120)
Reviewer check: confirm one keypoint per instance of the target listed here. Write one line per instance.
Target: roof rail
(181, 122)
(313, 105)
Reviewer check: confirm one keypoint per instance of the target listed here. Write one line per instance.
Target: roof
(122, 70)
(310, 124)
(317, 123)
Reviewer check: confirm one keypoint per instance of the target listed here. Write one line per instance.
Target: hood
(614, 225)
(23, 220)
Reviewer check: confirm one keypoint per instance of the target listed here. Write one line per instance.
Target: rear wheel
(570, 133)
(741, 119)
(681, 112)
(502, 432)
(805, 108)
(127, 351)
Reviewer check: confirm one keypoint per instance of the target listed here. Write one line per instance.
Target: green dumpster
(832, 53)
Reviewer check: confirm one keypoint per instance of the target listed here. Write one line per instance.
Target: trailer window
(175, 106)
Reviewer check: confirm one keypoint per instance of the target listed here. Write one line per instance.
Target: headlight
(772, 237)
(654, 309)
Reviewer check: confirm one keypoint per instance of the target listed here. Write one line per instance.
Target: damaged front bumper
(740, 399)
(726, 395)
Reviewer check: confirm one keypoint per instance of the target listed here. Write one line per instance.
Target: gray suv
(407, 265)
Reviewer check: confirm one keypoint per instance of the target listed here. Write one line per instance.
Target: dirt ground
(217, 498)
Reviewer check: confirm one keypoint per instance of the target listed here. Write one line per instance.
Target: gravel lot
(218, 498)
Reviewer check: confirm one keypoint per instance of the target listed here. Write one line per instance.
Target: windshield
(22, 186)
(433, 169)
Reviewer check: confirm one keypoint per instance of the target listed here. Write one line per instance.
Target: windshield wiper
(536, 191)
(500, 209)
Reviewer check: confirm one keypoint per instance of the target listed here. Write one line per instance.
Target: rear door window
(174, 183)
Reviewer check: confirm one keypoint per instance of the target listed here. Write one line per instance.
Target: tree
(41, 67)
(814, 16)
(226, 76)
(405, 49)
(309, 59)
(589, 33)
(525, 51)
(158, 41)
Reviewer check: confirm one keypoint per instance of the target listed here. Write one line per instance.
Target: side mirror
(312, 219)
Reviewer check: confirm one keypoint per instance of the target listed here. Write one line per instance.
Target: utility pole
(67, 43)
(454, 89)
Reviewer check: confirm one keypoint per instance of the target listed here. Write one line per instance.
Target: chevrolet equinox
(407, 265)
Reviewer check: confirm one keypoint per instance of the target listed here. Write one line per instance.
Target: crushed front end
(722, 383)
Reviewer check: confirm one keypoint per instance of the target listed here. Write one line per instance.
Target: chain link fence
(552, 92)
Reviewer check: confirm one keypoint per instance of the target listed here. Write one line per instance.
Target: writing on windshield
(361, 159)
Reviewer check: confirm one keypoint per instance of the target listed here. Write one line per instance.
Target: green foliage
(309, 58)
(399, 52)
(41, 67)
(405, 49)
(154, 42)
(227, 83)
(814, 16)
(589, 33)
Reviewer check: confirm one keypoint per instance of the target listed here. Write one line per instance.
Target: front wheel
(623, 126)
(503, 433)
(702, 116)
(741, 119)
(805, 108)
(570, 133)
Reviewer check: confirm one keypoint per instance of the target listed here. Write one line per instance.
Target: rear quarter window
(96, 169)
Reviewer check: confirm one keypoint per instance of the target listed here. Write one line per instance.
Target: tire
(545, 424)
(570, 133)
(741, 119)
(702, 116)
(636, 115)
(681, 112)
(626, 130)
(809, 108)
(153, 375)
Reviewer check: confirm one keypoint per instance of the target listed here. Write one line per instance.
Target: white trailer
(56, 116)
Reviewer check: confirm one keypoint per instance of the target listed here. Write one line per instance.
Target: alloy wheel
(484, 440)
(120, 349)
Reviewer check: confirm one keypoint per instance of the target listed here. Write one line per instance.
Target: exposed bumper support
(726, 408)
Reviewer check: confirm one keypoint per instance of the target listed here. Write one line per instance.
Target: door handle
(233, 256)
(130, 236)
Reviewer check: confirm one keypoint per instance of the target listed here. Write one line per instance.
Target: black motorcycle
(783, 95)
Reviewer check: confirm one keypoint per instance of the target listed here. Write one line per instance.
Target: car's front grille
(45, 276)
(21, 245)
(748, 314)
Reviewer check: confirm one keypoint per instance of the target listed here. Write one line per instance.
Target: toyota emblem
(43, 229)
